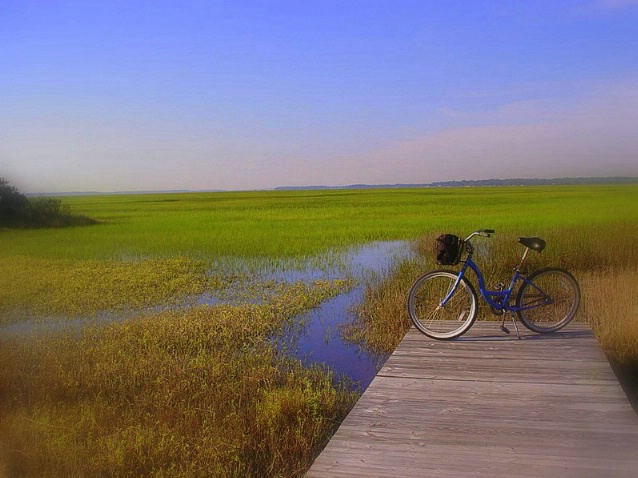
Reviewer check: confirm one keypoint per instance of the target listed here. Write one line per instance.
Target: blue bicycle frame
(497, 299)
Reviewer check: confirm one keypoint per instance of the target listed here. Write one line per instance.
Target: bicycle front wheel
(442, 321)
(548, 300)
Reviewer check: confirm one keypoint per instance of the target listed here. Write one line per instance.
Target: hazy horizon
(245, 95)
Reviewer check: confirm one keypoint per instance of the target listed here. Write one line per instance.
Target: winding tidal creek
(320, 340)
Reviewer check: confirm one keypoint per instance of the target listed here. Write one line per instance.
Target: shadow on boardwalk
(498, 335)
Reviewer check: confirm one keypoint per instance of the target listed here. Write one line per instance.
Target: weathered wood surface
(488, 405)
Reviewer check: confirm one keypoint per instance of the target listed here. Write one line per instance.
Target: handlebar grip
(480, 232)
(485, 232)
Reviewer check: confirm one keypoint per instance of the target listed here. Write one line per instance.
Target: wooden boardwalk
(488, 405)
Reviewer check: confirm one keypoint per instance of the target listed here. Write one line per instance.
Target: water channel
(320, 340)
(316, 338)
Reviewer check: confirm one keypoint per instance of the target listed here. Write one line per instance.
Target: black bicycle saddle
(534, 243)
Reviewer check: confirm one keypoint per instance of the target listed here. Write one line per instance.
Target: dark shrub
(12, 202)
(16, 210)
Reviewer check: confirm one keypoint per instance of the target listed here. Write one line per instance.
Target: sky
(139, 95)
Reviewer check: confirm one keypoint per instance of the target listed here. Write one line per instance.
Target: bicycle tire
(450, 321)
(548, 300)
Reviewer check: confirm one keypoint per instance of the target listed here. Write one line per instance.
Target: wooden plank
(488, 405)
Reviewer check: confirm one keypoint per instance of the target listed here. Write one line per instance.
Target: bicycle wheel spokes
(548, 301)
(431, 316)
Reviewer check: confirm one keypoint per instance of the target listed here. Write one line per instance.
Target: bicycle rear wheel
(548, 300)
(438, 321)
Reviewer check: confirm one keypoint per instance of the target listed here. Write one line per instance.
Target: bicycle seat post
(520, 264)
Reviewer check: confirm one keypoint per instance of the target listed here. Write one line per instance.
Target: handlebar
(480, 232)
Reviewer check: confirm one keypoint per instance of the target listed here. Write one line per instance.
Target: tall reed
(610, 305)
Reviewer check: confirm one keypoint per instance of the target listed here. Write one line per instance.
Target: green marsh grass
(301, 224)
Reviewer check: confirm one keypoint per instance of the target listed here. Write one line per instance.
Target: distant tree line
(535, 182)
(16, 210)
(479, 182)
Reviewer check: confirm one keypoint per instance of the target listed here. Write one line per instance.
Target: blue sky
(157, 95)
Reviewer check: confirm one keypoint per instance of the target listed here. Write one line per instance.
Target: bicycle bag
(449, 249)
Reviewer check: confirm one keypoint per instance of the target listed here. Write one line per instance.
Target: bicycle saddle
(534, 243)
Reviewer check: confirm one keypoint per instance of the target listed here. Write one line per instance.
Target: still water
(320, 340)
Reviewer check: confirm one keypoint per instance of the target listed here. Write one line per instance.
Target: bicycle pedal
(505, 329)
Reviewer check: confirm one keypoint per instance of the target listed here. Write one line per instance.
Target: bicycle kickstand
(506, 330)
(518, 335)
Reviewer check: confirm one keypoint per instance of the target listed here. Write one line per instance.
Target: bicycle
(443, 304)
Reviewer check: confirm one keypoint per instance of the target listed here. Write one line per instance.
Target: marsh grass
(303, 224)
(611, 307)
(36, 287)
(202, 392)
